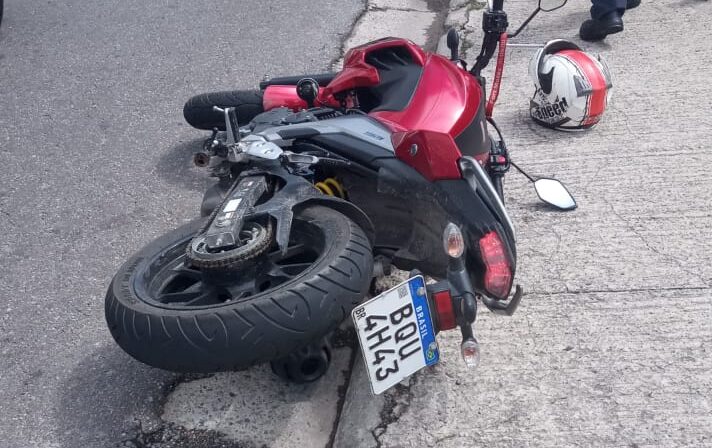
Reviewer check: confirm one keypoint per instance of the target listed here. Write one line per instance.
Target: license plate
(396, 334)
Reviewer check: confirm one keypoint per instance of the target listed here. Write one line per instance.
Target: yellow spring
(332, 187)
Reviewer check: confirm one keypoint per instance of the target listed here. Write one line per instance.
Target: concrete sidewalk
(611, 344)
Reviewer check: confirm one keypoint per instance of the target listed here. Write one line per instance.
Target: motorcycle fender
(351, 211)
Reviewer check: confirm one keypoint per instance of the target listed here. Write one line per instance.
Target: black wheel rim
(168, 281)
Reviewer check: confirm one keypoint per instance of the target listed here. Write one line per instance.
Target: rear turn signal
(470, 350)
(453, 241)
(498, 275)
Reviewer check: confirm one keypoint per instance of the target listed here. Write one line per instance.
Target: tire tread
(269, 327)
(198, 110)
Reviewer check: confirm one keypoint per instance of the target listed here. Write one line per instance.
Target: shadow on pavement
(107, 397)
(176, 167)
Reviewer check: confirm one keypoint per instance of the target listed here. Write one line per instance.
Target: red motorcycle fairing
(357, 72)
(446, 100)
(433, 154)
(423, 98)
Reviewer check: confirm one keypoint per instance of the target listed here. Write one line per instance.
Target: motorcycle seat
(399, 76)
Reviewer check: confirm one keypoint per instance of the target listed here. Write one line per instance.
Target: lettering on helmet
(550, 111)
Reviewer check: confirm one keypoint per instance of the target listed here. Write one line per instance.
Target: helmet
(572, 87)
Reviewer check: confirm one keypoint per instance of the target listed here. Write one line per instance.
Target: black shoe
(630, 4)
(598, 29)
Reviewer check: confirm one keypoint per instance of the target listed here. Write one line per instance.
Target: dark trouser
(602, 7)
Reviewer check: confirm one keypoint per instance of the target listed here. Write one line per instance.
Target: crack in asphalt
(397, 402)
(342, 47)
(343, 338)
(440, 7)
(172, 436)
(385, 9)
(462, 28)
(653, 249)
(169, 435)
(616, 291)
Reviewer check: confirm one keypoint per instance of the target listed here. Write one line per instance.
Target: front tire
(198, 111)
(222, 330)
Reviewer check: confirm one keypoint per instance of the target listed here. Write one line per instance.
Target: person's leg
(630, 4)
(606, 19)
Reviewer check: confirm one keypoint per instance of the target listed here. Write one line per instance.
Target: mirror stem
(531, 179)
(526, 22)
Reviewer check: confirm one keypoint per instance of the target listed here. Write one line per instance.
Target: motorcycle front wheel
(198, 110)
(170, 315)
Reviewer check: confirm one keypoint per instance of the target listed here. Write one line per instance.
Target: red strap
(497, 74)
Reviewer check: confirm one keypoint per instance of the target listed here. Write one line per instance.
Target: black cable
(491, 121)
(504, 145)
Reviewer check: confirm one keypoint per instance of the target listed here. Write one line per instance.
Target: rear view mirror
(551, 5)
(554, 193)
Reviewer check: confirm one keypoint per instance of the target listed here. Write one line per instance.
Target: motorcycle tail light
(444, 311)
(470, 350)
(498, 274)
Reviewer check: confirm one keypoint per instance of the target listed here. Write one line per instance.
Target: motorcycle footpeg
(504, 308)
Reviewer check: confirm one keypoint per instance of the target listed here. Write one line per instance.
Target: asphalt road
(95, 160)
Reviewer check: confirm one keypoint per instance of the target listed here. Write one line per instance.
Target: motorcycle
(324, 183)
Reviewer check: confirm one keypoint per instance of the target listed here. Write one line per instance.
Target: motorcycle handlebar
(494, 23)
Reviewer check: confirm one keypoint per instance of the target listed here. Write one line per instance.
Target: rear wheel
(198, 111)
(168, 314)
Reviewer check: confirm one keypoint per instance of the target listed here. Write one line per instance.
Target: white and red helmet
(572, 87)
